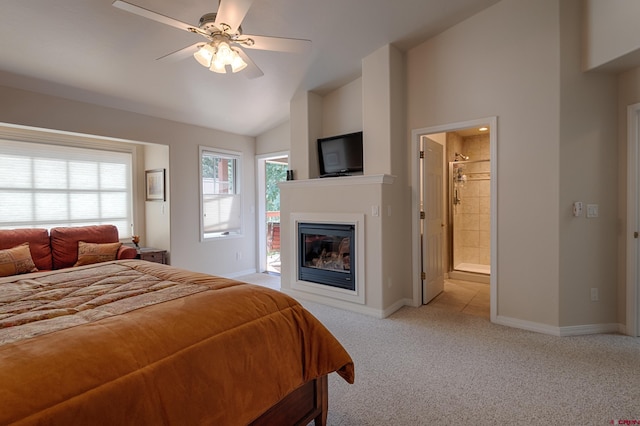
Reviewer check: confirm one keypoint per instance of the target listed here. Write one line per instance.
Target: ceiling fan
(223, 50)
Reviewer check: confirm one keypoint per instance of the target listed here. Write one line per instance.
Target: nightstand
(152, 255)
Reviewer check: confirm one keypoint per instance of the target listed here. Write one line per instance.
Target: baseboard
(469, 276)
(574, 330)
(527, 325)
(347, 306)
(578, 330)
(394, 307)
(234, 275)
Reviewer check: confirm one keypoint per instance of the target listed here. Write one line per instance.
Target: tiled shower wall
(471, 217)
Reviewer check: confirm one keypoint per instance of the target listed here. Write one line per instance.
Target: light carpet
(430, 366)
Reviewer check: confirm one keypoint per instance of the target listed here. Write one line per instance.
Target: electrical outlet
(594, 295)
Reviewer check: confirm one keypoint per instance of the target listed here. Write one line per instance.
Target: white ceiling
(90, 51)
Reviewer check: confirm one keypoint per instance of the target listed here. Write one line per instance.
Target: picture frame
(155, 185)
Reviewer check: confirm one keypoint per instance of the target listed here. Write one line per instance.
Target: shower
(461, 156)
(469, 208)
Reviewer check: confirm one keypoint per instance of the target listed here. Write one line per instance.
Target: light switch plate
(592, 210)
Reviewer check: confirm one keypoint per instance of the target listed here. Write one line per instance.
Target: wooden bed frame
(309, 402)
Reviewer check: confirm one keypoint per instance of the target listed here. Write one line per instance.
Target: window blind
(221, 201)
(44, 186)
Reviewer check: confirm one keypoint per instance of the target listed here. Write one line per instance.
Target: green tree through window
(275, 172)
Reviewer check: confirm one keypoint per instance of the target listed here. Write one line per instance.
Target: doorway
(271, 170)
(633, 221)
(476, 257)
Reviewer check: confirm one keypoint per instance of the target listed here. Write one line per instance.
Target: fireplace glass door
(325, 254)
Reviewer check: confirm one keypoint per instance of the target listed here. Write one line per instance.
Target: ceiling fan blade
(146, 13)
(180, 54)
(278, 44)
(231, 13)
(252, 71)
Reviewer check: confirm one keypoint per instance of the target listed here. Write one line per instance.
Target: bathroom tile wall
(471, 218)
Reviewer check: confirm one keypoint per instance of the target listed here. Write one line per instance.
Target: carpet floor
(432, 366)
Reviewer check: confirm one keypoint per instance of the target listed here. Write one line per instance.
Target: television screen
(340, 155)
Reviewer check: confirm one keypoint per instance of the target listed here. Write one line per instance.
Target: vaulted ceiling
(91, 51)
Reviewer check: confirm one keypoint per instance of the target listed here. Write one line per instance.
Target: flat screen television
(340, 155)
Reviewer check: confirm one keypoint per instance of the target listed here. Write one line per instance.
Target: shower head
(462, 156)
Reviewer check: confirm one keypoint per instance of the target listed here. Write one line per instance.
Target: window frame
(237, 156)
(61, 139)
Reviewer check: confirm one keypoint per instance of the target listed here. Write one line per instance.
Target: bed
(134, 342)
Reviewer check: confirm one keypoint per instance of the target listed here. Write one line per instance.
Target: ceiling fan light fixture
(217, 66)
(224, 53)
(237, 64)
(204, 55)
(223, 56)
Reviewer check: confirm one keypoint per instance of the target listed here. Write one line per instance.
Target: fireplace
(325, 252)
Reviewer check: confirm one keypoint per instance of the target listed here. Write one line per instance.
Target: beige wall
(554, 146)
(588, 160)
(342, 110)
(186, 251)
(513, 47)
(277, 139)
(388, 242)
(306, 127)
(628, 92)
(612, 34)
(560, 136)
(157, 214)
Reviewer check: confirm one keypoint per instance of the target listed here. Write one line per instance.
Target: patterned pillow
(89, 253)
(16, 260)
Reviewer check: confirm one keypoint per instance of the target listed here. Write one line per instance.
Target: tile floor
(464, 296)
(461, 296)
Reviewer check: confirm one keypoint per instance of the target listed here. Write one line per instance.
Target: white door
(633, 220)
(433, 223)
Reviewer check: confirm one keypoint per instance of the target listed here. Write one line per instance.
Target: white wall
(186, 251)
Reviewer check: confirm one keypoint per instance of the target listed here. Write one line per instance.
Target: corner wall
(186, 251)
(588, 157)
(611, 34)
(386, 206)
(505, 62)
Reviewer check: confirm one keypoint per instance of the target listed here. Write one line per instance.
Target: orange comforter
(121, 343)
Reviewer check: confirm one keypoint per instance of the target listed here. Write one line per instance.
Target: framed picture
(155, 185)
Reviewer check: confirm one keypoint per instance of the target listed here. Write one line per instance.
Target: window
(44, 186)
(221, 205)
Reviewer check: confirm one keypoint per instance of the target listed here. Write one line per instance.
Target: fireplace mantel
(341, 180)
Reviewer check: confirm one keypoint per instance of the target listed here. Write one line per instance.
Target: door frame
(261, 202)
(633, 220)
(416, 134)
